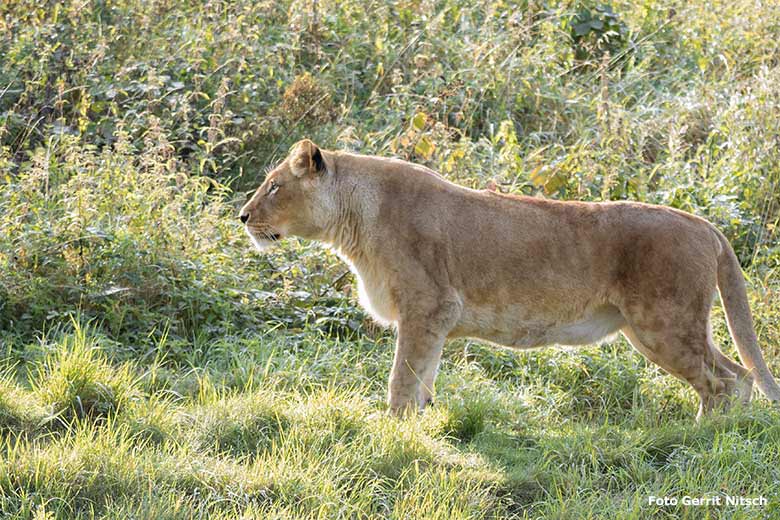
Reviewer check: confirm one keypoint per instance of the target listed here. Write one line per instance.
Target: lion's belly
(506, 327)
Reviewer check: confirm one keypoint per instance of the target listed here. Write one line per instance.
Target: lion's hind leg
(743, 378)
(686, 351)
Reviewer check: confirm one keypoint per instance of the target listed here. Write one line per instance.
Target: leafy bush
(596, 30)
(124, 162)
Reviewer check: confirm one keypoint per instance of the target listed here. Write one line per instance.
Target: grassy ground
(153, 366)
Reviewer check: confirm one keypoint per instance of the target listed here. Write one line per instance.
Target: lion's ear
(306, 159)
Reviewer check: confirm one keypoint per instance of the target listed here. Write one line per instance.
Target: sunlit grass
(77, 381)
(280, 446)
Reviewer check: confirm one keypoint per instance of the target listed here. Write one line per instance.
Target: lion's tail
(731, 286)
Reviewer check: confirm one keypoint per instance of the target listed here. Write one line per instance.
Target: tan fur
(440, 261)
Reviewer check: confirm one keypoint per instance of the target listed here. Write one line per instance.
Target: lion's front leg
(425, 392)
(421, 337)
(417, 354)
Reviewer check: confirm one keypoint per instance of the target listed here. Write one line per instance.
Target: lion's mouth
(263, 233)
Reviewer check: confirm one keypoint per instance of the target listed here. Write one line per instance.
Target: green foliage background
(155, 366)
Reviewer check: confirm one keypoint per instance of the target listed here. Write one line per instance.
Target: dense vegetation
(154, 366)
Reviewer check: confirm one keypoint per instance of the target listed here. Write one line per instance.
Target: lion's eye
(272, 188)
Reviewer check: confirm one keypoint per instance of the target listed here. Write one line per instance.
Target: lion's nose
(244, 217)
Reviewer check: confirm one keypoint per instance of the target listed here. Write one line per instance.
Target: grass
(152, 365)
(282, 443)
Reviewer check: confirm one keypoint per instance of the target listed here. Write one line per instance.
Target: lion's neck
(349, 225)
(346, 236)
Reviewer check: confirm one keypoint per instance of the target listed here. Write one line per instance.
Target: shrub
(595, 30)
(306, 99)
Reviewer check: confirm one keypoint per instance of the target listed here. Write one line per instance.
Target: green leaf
(418, 121)
(581, 29)
(424, 147)
(538, 176)
(554, 183)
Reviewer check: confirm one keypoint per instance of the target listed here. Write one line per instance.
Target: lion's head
(293, 200)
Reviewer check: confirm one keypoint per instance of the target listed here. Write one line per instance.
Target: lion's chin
(263, 244)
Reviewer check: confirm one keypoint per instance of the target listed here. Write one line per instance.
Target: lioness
(440, 261)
